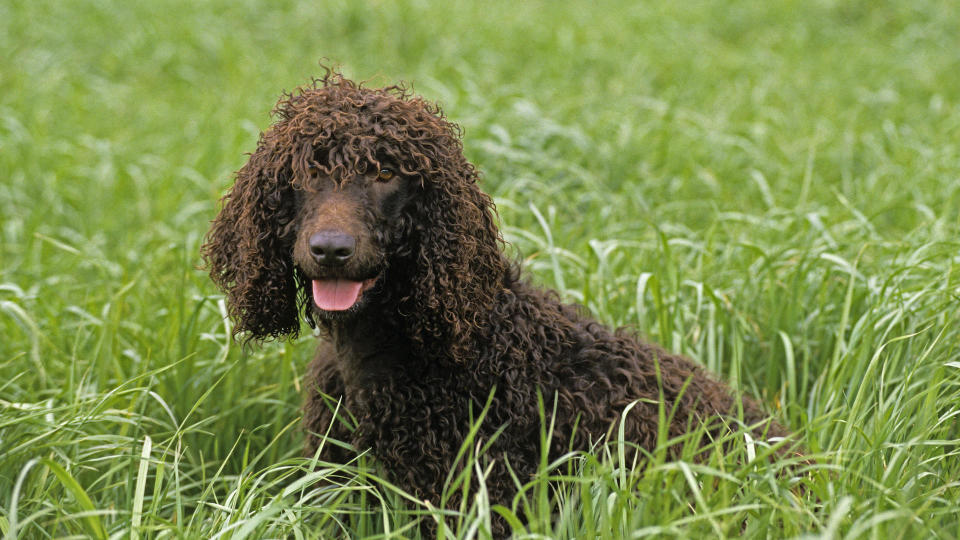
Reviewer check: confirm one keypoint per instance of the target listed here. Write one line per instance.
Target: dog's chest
(419, 417)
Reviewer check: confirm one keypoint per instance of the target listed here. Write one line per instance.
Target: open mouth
(339, 294)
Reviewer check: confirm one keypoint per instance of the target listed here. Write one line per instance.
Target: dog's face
(358, 199)
(344, 231)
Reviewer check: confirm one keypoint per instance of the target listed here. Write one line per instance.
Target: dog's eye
(385, 175)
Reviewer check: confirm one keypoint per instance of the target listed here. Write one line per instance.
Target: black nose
(332, 248)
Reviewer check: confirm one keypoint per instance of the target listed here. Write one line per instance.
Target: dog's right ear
(248, 247)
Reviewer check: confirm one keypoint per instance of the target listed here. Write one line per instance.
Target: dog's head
(357, 199)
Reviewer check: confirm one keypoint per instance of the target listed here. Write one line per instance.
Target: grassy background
(769, 188)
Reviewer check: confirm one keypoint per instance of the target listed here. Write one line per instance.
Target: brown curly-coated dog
(359, 211)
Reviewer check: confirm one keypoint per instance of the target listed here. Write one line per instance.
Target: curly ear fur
(248, 247)
(458, 269)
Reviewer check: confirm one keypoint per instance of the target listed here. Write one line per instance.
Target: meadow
(771, 188)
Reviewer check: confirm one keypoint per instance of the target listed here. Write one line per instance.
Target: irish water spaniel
(359, 212)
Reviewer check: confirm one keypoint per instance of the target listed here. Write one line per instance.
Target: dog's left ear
(459, 268)
(248, 247)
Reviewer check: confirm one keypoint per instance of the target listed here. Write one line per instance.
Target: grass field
(772, 189)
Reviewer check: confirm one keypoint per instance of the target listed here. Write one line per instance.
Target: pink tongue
(335, 294)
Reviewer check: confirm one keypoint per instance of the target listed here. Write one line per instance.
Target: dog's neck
(369, 348)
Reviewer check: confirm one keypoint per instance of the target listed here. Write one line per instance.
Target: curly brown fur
(442, 317)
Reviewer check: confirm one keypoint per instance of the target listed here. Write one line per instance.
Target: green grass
(770, 188)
